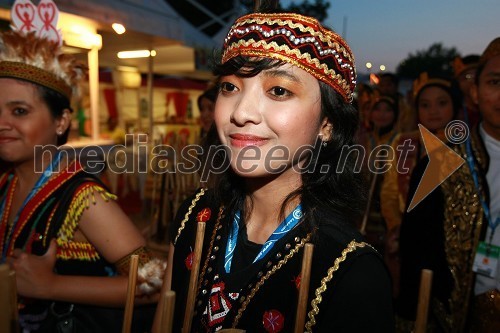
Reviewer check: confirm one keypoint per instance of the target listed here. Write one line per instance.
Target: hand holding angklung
(34, 274)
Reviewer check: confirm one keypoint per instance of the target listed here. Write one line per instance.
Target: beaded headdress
(492, 50)
(32, 50)
(423, 81)
(296, 39)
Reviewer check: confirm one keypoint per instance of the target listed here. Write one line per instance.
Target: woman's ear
(325, 130)
(63, 122)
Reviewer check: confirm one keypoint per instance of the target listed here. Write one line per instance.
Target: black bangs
(244, 66)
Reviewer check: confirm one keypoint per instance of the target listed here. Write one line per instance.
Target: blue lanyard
(39, 183)
(475, 177)
(288, 224)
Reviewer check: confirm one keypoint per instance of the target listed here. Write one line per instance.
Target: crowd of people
(285, 82)
(452, 231)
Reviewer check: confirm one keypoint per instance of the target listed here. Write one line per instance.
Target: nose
(4, 122)
(247, 109)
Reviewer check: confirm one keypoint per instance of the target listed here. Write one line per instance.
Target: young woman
(283, 115)
(436, 106)
(60, 230)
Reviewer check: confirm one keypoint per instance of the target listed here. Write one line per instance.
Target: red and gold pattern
(19, 70)
(296, 39)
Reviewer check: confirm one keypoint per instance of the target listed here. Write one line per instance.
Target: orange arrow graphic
(443, 161)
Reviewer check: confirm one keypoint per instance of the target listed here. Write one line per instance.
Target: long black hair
(325, 192)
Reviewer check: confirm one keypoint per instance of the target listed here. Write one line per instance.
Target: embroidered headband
(32, 50)
(19, 70)
(296, 39)
(423, 81)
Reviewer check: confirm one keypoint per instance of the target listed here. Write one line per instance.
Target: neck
(492, 131)
(264, 200)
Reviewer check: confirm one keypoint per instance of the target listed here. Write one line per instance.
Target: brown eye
(227, 87)
(280, 92)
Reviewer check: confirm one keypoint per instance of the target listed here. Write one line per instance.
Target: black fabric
(357, 299)
(421, 239)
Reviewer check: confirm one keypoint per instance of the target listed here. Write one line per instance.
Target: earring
(324, 143)
(59, 132)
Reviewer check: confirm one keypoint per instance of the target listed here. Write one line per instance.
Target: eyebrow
(18, 103)
(282, 73)
(493, 73)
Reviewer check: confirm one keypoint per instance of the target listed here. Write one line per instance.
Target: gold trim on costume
(190, 210)
(463, 223)
(352, 246)
(268, 274)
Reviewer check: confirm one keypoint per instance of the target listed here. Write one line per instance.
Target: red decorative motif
(219, 304)
(48, 14)
(296, 281)
(189, 261)
(24, 15)
(204, 215)
(273, 321)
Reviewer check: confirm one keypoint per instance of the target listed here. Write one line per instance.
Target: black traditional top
(350, 290)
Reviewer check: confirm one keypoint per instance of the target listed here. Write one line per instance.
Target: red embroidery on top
(273, 321)
(204, 215)
(189, 261)
(296, 281)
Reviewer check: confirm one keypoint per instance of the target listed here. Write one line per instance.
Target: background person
(60, 230)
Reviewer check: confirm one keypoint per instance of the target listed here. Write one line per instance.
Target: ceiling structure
(151, 25)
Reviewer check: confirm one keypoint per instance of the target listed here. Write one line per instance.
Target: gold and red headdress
(296, 39)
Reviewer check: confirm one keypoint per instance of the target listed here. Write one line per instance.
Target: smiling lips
(245, 140)
(6, 139)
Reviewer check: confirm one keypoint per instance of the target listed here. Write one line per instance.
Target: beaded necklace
(7, 203)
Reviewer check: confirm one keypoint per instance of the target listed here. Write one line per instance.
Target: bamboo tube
(129, 304)
(305, 278)
(5, 299)
(423, 301)
(193, 279)
(165, 288)
(167, 311)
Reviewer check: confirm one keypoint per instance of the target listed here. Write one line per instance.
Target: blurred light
(118, 28)
(135, 54)
(374, 79)
(368, 65)
(382, 68)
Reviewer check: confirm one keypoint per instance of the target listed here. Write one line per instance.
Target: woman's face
(382, 115)
(267, 119)
(25, 121)
(435, 108)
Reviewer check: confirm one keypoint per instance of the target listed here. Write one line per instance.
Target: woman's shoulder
(200, 207)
